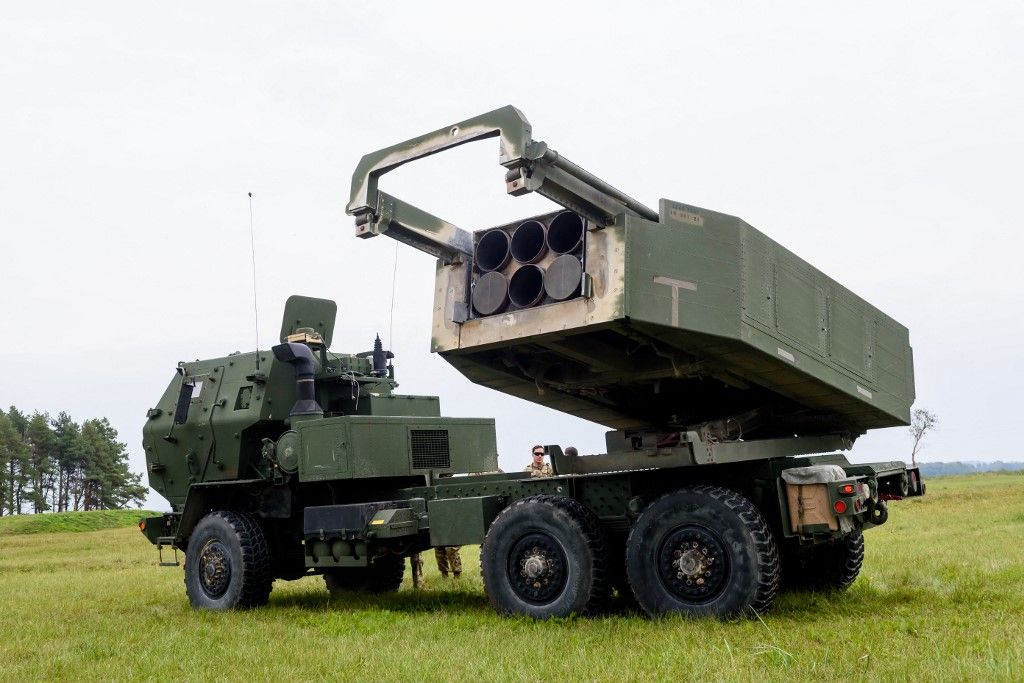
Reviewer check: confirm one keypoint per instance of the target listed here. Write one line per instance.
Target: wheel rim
(537, 568)
(214, 569)
(693, 564)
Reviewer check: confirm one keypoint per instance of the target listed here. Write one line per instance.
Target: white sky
(880, 141)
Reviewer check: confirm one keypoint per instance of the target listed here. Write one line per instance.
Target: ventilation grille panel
(429, 449)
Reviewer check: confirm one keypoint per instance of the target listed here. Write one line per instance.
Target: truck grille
(429, 449)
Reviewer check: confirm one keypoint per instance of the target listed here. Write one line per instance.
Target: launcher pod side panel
(731, 299)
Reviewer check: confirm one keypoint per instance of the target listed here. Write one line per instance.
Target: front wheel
(227, 564)
(545, 556)
(702, 551)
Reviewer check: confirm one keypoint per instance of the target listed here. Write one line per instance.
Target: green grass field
(941, 597)
(70, 521)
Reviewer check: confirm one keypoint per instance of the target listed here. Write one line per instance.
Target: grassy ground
(70, 521)
(940, 598)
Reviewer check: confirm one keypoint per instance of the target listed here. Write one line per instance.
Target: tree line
(943, 469)
(60, 465)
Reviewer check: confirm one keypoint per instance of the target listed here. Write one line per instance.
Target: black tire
(227, 563)
(702, 551)
(825, 567)
(384, 575)
(545, 556)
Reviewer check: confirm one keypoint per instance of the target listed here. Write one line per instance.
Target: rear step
(161, 543)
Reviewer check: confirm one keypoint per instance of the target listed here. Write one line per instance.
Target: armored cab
(304, 414)
(676, 320)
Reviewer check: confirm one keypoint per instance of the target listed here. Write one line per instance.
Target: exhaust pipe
(490, 293)
(529, 242)
(380, 358)
(492, 251)
(564, 276)
(301, 358)
(566, 233)
(526, 288)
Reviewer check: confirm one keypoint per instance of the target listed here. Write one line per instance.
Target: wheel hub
(692, 564)
(214, 569)
(537, 568)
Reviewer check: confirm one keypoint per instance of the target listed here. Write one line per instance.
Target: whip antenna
(391, 316)
(255, 303)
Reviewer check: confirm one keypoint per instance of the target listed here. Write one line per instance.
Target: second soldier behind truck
(448, 560)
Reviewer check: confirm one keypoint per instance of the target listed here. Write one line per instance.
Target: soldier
(448, 560)
(539, 468)
(571, 452)
(416, 560)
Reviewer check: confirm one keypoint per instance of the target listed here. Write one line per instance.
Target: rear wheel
(545, 556)
(227, 564)
(826, 567)
(702, 551)
(383, 575)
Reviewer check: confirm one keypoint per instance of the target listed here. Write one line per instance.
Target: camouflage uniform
(541, 471)
(449, 560)
(416, 560)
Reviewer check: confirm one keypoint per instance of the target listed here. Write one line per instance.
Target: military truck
(730, 371)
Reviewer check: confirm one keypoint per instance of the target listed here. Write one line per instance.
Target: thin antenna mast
(391, 316)
(255, 304)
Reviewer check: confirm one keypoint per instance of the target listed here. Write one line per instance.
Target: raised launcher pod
(682, 318)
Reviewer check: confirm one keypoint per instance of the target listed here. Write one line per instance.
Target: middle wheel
(702, 551)
(545, 556)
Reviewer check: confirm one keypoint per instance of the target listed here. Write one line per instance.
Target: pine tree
(9, 442)
(42, 443)
(68, 458)
(14, 459)
(18, 462)
(107, 482)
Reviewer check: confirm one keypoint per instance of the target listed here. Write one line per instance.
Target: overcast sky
(882, 142)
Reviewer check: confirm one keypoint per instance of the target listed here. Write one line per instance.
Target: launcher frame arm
(531, 167)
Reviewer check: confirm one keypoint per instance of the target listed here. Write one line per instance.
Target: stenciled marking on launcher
(684, 216)
(864, 392)
(676, 285)
(786, 354)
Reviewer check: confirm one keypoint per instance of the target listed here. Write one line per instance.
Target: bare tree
(921, 422)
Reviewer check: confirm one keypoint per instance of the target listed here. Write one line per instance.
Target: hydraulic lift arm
(530, 167)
